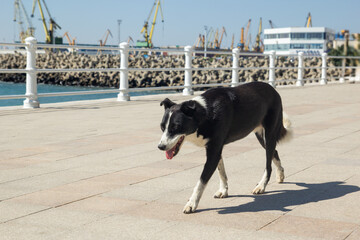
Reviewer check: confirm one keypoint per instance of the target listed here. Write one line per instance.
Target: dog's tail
(286, 132)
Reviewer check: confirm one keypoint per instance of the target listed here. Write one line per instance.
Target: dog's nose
(161, 147)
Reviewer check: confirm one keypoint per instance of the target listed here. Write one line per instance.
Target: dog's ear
(189, 108)
(167, 103)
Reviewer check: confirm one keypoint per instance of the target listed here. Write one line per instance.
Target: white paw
(259, 189)
(280, 176)
(190, 207)
(222, 193)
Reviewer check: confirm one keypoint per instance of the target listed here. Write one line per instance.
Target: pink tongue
(169, 154)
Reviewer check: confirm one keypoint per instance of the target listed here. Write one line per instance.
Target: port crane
(130, 40)
(248, 41)
(272, 25)
(200, 41)
(258, 42)
(216, 38)
(148, 37)
(247, 38)
(19, 13)
(70, 40)
(105, 37)
(218, 42)
(232, 41)
(244, 38)
(209, 38)
(49, 32)
(308, 21)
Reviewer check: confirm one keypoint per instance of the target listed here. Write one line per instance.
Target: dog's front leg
(193, 202)
(213, 157)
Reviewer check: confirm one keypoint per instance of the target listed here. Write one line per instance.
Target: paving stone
(105, 178)
(311, 227)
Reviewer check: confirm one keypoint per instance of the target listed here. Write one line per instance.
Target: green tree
(339, 51)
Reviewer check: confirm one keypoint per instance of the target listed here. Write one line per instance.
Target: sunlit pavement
(92, 170)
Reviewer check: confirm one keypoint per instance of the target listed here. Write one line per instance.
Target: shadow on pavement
(281, 200)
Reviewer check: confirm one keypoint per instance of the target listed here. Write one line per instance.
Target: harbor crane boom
(272, 25)
(148, 37)
(258, 38)
(216, 38)
(19, 12)
(221, 37)
(70, 40)
(49, 33)
(199, 41)
(248, 41)
(242, 42)
(209, 38)
(105, 37)
(308, 21)
(244, 37)
(247, 38)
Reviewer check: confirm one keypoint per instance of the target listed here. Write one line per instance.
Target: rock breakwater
(140, 78)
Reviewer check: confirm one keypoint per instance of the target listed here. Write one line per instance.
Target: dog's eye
(162, 127)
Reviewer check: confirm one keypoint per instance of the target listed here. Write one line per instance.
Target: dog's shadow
(281, 200)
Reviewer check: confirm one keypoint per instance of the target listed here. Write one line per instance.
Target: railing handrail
(58, 46)
(124, 49)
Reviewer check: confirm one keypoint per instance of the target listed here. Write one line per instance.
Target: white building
(311, 41)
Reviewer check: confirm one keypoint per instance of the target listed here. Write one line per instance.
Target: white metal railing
(31, 96)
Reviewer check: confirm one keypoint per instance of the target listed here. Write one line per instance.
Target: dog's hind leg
(270, 145)
(223, 190)
(280, 176)
(213, 156)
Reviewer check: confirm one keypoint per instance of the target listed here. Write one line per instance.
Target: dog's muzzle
(162, 147)
(174, 149)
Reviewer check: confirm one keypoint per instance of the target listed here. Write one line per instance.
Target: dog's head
(178, 121)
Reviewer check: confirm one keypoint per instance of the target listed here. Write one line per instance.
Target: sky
(88, 20)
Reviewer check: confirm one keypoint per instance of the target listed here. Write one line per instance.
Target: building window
(315, 36)
(276, 36)
(306, 46)
(270, 36)
(298, 35)
(283, 35)
(316, 46)
(277, 47)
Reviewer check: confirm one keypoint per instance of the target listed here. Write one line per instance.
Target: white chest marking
(199, 141)
(258, 129)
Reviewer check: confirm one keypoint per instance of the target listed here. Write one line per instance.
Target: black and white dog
(220, 116)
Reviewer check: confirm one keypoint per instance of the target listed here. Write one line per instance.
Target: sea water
(20, 89)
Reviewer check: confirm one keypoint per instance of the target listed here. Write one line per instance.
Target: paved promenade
(92, 170)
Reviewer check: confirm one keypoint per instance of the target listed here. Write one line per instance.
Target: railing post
(124, 73)
(31, 100)
(342, 78)
(272, 68)
(357, 73)
(235, 67)
(323, 80)
(300, 81)
(188, 71)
